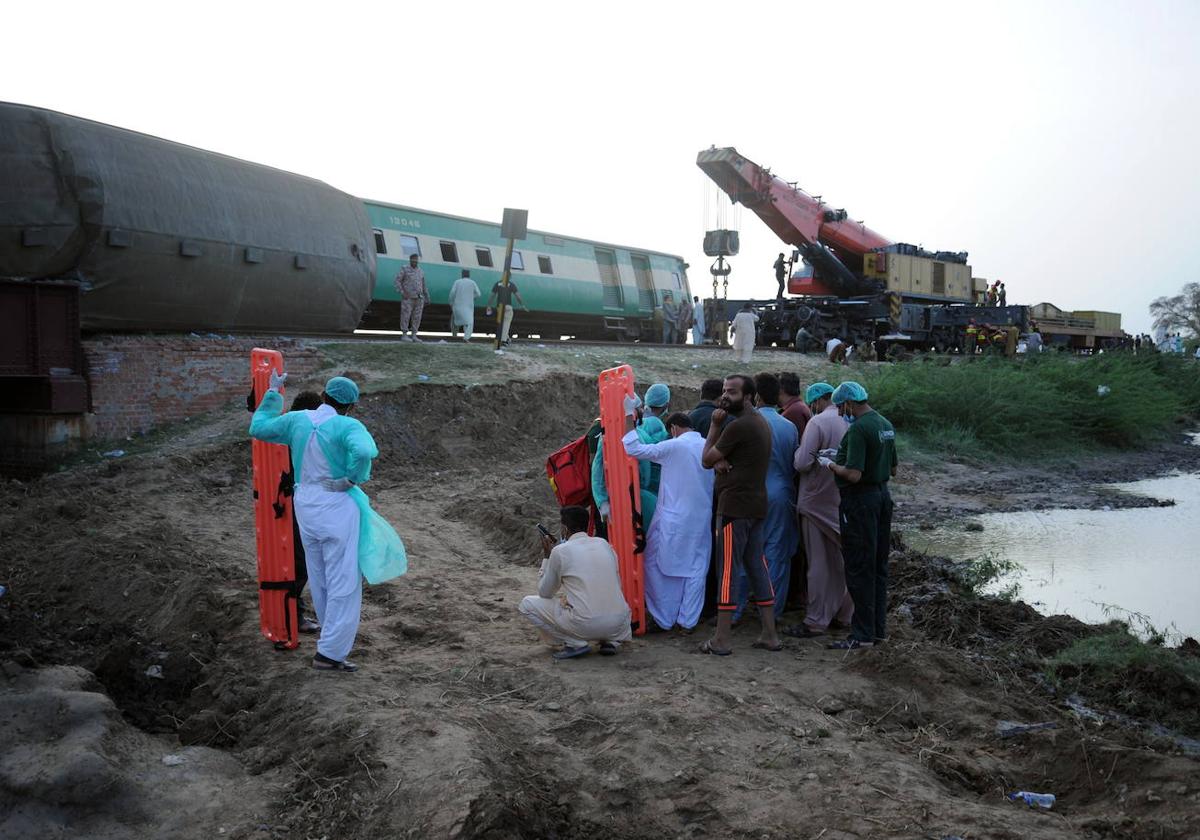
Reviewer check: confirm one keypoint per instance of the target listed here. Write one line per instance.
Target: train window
(449, 251)
(544, 265)
(518, 261)
(409, 245)
(380, 244)
(484, 257)
(678, 282)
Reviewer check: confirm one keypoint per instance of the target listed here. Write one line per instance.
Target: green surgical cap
(849, 392)
(342, 389)
(816, 391)
(658, 395)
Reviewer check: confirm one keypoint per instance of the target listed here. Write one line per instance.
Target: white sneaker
(417, 340)
(405, 338)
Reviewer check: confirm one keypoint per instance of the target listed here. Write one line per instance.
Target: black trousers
(301, 566)
(866, 518)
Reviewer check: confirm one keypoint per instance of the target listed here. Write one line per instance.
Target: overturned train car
(164, 236)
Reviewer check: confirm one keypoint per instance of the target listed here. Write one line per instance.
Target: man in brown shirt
(740, 453)
(791, 404)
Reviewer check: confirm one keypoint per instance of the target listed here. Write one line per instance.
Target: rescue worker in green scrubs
(865, 462)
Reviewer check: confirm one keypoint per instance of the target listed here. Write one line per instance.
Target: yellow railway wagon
(1105, 323)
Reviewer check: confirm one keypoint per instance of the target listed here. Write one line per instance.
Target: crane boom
(827, 238)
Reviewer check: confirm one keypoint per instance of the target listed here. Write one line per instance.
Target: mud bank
(935, 492)
(460, 725)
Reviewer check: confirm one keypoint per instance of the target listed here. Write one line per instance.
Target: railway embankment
(131, 604)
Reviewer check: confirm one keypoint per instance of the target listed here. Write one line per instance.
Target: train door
(610, 279)
(939, 279)
(681, 283)
(645, 282)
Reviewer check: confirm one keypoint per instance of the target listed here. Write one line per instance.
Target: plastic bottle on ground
(1042, 800)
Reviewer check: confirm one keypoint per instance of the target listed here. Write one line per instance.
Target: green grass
(1140, 678)
(389, 364)
(1044, 407)
(1040, 406)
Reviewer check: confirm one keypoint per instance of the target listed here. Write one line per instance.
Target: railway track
(433, 338)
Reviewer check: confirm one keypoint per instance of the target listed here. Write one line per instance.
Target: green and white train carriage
(573, 287)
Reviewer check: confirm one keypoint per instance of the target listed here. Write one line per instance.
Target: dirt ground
(139, 700)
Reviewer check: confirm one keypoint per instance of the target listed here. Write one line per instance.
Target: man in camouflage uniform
(410, 283)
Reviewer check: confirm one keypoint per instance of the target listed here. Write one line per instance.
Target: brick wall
(141, 382)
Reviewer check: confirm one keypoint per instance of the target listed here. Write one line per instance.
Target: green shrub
(1140, 678)
(1041, 405)
(978, 574)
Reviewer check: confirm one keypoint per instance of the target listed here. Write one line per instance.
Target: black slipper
(802, 631)
(707, 647)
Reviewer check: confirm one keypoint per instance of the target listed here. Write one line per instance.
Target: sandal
(707, 647)
(849, 644)
(802, 631)
(765, 646)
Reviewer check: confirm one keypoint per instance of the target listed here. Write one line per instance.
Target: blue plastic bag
(381, 554)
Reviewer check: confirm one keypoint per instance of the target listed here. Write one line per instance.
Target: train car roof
(208, 152)
(325, 183)
(531, 230)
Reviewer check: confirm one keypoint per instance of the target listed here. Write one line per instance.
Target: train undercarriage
(940, 327)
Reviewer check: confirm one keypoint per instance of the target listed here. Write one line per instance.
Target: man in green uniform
(866, 460)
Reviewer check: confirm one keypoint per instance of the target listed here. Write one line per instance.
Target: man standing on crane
(780, 275)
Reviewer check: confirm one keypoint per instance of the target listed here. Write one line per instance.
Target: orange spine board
(273, 519)
(624, 491)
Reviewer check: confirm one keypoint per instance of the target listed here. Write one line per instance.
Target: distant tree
(1178, 313)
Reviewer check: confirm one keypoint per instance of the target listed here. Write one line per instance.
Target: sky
(1055, 141)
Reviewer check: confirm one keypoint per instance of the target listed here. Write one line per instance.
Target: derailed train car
(573, 287)
(163, 236)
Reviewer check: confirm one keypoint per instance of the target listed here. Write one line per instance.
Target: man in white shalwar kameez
(697, 320)
(462, 305)
(679, 543)
(743, 333)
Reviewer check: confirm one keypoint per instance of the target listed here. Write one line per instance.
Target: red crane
(826, 237)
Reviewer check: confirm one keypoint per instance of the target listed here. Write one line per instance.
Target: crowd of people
(410, 284)
(676, 318)
(673, 319)
(760, 481)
